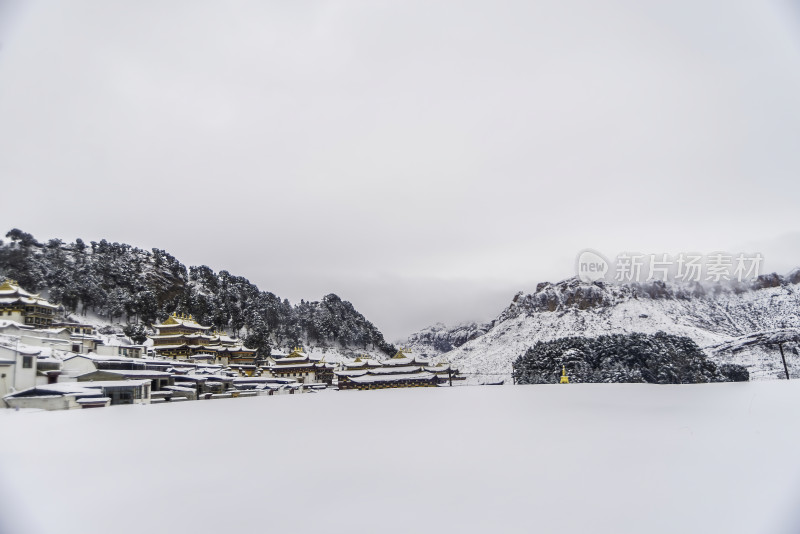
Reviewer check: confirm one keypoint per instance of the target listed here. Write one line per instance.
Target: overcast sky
(424, 160)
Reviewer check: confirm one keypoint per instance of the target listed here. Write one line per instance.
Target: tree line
(141, 287)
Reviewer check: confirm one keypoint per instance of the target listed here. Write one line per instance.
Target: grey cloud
(445, 145)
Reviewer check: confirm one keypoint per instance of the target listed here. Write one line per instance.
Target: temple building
(300, 366)
(446, 372)
(22, 307)
(400, 371)
(180, 337)
(360, 363)
(230, 350)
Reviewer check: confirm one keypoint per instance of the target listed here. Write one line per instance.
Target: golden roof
(297, 352)
(401, 353)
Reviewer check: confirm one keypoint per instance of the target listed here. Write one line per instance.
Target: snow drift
(578, 458)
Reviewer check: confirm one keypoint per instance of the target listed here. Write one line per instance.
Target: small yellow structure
(564, 377)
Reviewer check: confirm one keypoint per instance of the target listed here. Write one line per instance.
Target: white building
(72, 395)
(18, 368)
(70, 339)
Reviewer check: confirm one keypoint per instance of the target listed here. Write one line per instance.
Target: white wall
(77, 365)
(117, 350)
(35, 340)
(6, 377)
(15, 316)
(48, 402)
(20, 377)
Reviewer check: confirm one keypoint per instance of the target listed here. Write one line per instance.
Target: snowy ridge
(444, 339)
(715, 317)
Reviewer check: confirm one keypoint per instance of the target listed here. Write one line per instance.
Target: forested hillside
(139, 287)
(655, 359)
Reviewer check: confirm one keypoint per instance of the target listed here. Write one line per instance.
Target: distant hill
(733, 323)
(139, 287)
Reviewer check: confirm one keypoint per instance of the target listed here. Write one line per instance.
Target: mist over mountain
(136, 287)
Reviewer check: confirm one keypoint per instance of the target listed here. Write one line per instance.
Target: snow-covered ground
(582, 458)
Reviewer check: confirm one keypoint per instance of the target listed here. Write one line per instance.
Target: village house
(119, 345)
(72, 395)
(158, 379)
(75, 327)
(268, 385)
(58, 339)
(79, 340)
(13, 328)
(84, 342)
(18, 368)
(79, 364)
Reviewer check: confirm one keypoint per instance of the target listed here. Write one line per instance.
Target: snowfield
(578, 458)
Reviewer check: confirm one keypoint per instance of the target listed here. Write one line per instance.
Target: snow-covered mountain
(733, 323)
(118, 286)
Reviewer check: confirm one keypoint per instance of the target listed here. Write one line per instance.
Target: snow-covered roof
(405, 360)
(290, 365)
(189, 335)
(207, 348)
(5, 323)
(368, 379)
(348, 374)
(28, 301)
(76, 388)
(128, 372)
(195, 378)
(11, 287)
(98, 358)
(25, 350)
(399, 369)
(362, 362)
(171, 347)
(54, 340)
(262, 380)
(120, 341)
(236, 348)
(174, 321)
(11, 292)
